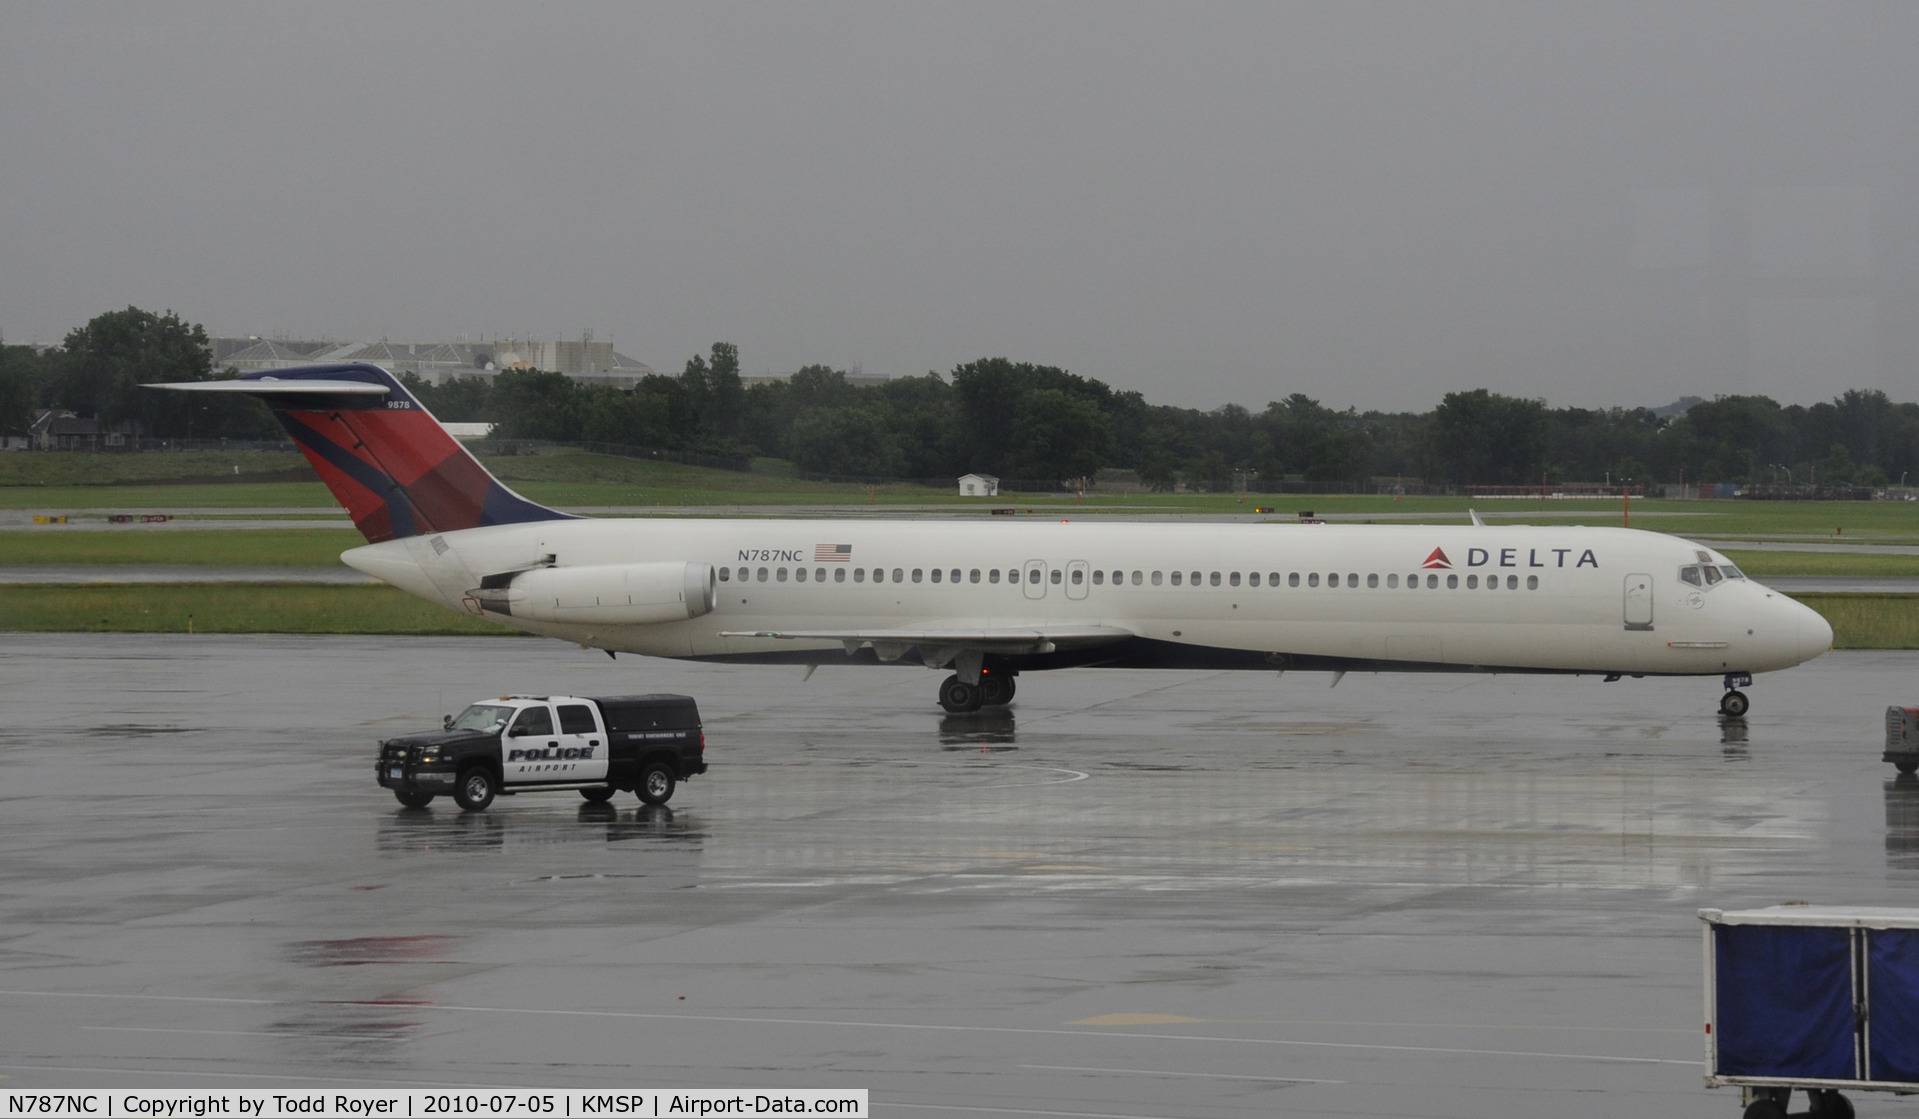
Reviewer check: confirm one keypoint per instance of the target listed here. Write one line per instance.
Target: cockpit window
(1712, 574)
(1689, 575)
(486, 717)
(1731, 571)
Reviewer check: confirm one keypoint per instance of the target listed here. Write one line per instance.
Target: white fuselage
(1552, 599)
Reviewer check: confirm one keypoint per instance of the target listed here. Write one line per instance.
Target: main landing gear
(995, 689)
(1734, 704)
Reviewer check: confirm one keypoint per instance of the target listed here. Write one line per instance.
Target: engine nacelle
(605, 594)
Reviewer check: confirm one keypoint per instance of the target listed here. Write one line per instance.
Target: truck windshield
(482, 716)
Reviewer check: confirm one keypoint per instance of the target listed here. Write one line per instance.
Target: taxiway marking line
(234, 1033)
(1196, 1075)
(736, 1019)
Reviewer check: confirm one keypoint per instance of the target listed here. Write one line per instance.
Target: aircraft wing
(1039, 638)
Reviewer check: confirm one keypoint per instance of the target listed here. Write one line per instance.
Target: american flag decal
(832, 553)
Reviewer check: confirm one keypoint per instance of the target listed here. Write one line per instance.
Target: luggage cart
(1820, 998)
(1902, 739)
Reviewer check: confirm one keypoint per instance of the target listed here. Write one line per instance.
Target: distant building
(978, 485)
(435, 363)
(855, 376)
(61, 430)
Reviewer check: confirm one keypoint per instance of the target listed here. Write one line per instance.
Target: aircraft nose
(1814, 633)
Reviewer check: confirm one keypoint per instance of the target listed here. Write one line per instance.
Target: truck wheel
(656, 783)
(1829, 1104)
(412, 800)
(598, 796)
(475, 790)
(1765, 1109)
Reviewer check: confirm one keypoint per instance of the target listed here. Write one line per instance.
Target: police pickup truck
(523, 744)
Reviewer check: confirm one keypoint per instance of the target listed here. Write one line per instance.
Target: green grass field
(230, 608)
(299, 547)
(126, 482)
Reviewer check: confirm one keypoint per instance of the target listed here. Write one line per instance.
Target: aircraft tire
(656, 783)
(1828, 1103)
(598, 796)
(1908, 768)
(958, 696)
(1734, 704)
(412, 800)
(995, 690)
(474, 790)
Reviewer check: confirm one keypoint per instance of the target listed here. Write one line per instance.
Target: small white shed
(978, 485)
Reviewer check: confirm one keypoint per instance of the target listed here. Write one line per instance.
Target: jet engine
(609, 594)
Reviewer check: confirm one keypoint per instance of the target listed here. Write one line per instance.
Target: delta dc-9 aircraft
(990, 599)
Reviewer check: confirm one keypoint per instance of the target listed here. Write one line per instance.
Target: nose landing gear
(1734, 704)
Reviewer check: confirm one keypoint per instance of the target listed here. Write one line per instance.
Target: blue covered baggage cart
(1819, 998)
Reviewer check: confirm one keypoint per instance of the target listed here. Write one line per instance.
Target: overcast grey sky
(1370, 203)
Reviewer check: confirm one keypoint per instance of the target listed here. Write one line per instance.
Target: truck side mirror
(446, 722)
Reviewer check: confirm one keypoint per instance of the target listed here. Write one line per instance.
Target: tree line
(1019, 420)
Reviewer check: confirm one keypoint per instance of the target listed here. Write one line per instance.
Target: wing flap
(998, 639)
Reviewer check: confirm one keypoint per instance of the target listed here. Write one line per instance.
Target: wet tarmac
(1133, 894)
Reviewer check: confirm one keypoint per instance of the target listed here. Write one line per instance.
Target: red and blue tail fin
(384, 456)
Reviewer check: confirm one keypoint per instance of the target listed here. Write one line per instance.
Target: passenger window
(1352, 578)
(1372, 580)
(819, 574)
(993, 575)
(533, 720)
(1713, 576)
(1055, 576)
(953, 575)
(859, 575)
(1293, 580)
(1252, 578)
(725, 574)
(745, 575)
(1099, 578)
(1312, 578)
(577, 718)
(1512, 582)
(1689, 575)
(936, 574)
(899, 575)
(1272, 578)
(1136, 578)
(1392, 582)
(1472, 582)
(779, 576)
(973, 575)
(1156, 578)
(1532, 582)
(1452, 582)
(1195, 578)
(1215, 579)
(1432, 581)
(1078, 577)
(762, 574)
(839, 575)
(799, 573)
(1178, 577)
(916, 575)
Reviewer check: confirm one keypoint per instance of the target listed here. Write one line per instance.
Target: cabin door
(1638, 602)
(1035, 579)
